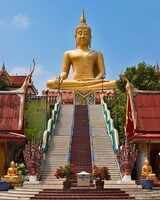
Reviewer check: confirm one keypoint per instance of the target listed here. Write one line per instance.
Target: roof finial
(3, 67)
(157, 68)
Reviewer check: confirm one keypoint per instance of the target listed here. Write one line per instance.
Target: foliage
(144, 77)
(67, 172)
(100, 173)
(35, 118)
(22, 171)
(29, 132)
(117, 108)
(4, 85)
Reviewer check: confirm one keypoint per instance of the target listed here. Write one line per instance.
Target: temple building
(16, 81)
(143, 126)
(72, 97)
(12, 108)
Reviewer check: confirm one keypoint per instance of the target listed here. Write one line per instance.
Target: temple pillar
(2, 158)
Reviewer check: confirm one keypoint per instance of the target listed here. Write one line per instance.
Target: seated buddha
(88, 65)
(147, 172)
(12, 174)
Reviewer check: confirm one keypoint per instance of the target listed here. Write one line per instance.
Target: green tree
(4, 85)
(117, 108)
(142, 77)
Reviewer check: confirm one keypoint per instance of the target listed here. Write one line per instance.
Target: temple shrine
(80, 131)
(143, 126)
(12, 108)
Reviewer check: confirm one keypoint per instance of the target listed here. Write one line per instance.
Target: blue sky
(125, 31)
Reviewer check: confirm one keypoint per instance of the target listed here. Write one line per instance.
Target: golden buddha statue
(147, 172)
(12, 174)
(88, 65)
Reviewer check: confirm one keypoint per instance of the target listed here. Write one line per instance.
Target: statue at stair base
(126, 155)
(12, 174)
(147, 172)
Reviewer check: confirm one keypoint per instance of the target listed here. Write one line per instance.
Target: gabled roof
(147, 108)
(17, 80)
(143, 114)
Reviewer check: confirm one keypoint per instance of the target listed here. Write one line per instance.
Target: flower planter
(99, 184)
(67, 185)
(33, 178)
(5, 186)
(147, 184)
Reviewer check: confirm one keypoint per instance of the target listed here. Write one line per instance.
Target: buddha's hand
(60, 78)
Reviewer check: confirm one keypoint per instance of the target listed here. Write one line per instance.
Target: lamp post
(102, 82)
(47, 91)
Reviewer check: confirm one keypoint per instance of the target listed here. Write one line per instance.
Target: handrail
(91, 138)
(51, 124)
(110, 125)
(71, 134)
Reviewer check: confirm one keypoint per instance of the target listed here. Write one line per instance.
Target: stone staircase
(80, 150)
(109, 194)
(57, 154)
(103, 150)
(51, 188)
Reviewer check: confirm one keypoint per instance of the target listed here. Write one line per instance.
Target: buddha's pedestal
(84, 98)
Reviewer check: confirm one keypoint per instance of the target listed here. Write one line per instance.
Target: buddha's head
(146, 162)
(12, 164)
(83, 29)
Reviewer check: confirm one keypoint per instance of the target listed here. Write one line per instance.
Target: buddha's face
(12, 164)
(83, 37)
(147, 162)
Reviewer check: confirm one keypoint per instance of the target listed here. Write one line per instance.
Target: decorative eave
(141, 137)
(130, 97)
(7, 136)
(26, 83)
(5, 73)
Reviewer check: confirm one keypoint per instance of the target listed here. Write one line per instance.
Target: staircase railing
(110, 125)
(51, 125)
(71, 134)
(91, 138)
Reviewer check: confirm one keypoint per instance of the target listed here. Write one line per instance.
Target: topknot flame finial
(83, 19)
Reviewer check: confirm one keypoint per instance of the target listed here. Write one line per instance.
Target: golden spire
(83, 19)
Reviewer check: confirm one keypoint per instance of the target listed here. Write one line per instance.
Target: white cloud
(2, 23)
(21, 21)
(39, 78)
(18, 21)
(19, 71)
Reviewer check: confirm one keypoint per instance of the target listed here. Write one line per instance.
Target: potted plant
(100, 174)
(22, 171)
(67, 172)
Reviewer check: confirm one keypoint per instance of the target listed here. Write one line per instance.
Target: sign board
(83, 179)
